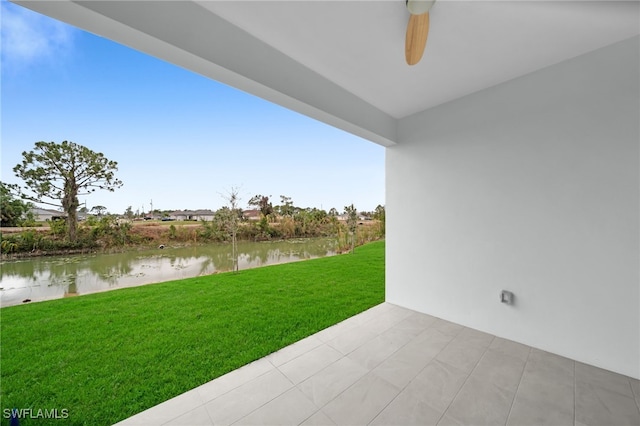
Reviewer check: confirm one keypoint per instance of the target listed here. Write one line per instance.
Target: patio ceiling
(342, 62)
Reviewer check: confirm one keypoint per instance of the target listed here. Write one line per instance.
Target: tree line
(57, 173)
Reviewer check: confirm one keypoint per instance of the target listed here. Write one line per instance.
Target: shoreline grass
(107, 356)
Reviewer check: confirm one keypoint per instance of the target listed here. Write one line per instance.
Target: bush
(110, 232)
(58, 227)
(28, 240)
(8, 245)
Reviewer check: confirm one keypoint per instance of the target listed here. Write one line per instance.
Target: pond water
(48, 278)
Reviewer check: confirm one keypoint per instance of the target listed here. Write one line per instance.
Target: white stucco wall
(530, 186)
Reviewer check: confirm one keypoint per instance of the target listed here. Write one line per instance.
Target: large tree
(287, 208)
(57, 173)
(262, 203)
(99, 210)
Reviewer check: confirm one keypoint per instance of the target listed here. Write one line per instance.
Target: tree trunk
(72, 224)
(70, 205)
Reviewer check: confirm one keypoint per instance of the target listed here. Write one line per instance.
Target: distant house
(202, 214)
(43, 215)
(205, 214)
(181, 215)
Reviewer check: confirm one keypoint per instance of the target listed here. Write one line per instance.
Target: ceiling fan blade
(416, 39)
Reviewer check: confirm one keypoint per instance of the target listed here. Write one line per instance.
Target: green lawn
(107, 356)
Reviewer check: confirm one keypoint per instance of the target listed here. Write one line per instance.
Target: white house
(516, 137)
(203, 214)
(43, 215)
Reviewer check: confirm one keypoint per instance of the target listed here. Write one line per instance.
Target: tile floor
(394, 366)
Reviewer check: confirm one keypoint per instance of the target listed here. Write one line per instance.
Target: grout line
(265, 403)
(319, 410)
(636, 397)
(403, 388)
(524, 367)
(208, 414)
(465, 380)
(575, 421)
(371, 371)
(270, 356)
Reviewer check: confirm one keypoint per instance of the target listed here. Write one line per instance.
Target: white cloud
(29, 38)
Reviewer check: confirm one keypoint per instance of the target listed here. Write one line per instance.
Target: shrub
(58, 227)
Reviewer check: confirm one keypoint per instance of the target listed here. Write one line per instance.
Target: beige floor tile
(358, 336)
(635, 387)
(508, 347)
(389, 319)
(310, 363)
(318, 419)
(480, 403)
(437, 384)
(407, 410)
(381, 347)
(293, 351)
(403, 365)
(399, 335)
(340, 328)
(241, 401)
(325, 385)
(599, 405)
(450, 421)
(542, 401)
(461, 354)
(501, 370)
(594, 376)
(476, 337)
(233, 379)
(376, 311)
(372, 353)
(430, 342)
(417, 322)
(362, 402)
(353, 322)
(290, 408)
(396, 308)
(447, 327)
(196, 417)
(547, 365)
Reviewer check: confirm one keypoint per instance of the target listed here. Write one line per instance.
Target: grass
(107, 356)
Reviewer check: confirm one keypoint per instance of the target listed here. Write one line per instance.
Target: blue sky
(180, 139)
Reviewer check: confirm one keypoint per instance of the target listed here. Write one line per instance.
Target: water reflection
(52, 278)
